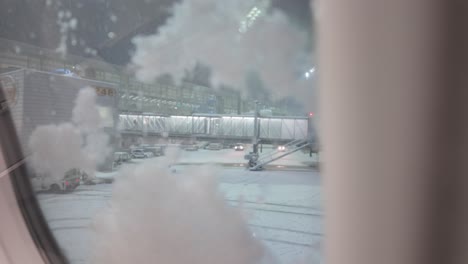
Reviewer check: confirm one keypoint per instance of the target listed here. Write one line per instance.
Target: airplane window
(171, 131)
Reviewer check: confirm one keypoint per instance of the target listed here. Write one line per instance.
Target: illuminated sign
(105, 91)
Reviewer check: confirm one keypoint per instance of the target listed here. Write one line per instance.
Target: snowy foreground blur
(156, 216)
(175, 208)
(190, 214)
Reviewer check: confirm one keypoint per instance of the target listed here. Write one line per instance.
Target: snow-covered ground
(283, 207)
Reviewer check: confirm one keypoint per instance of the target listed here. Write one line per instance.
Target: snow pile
(81, 144)
(159, 217)
(211, 32)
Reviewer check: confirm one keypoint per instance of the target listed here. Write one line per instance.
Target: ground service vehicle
(239, 147)
(281, 148)
(138, 154)
(214, 146)
(155, 151)
(69, 182)
(193, 147)
(120, 157)
(189, 146)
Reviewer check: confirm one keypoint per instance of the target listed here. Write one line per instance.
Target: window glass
(169, 131)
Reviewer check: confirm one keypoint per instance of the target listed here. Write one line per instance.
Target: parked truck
(69, 182)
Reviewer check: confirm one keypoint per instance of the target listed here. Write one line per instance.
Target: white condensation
(73, 23)
(113, 18)
(208, 32)
(55, 149)
(172, 220)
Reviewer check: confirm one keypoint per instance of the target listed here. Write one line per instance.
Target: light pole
(253, 156)
(256, 129)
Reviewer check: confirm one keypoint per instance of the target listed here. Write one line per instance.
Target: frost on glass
(66, 24)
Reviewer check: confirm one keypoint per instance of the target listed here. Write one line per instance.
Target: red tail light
(66, 183)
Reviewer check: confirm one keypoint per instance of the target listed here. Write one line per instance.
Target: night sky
(35, 22)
